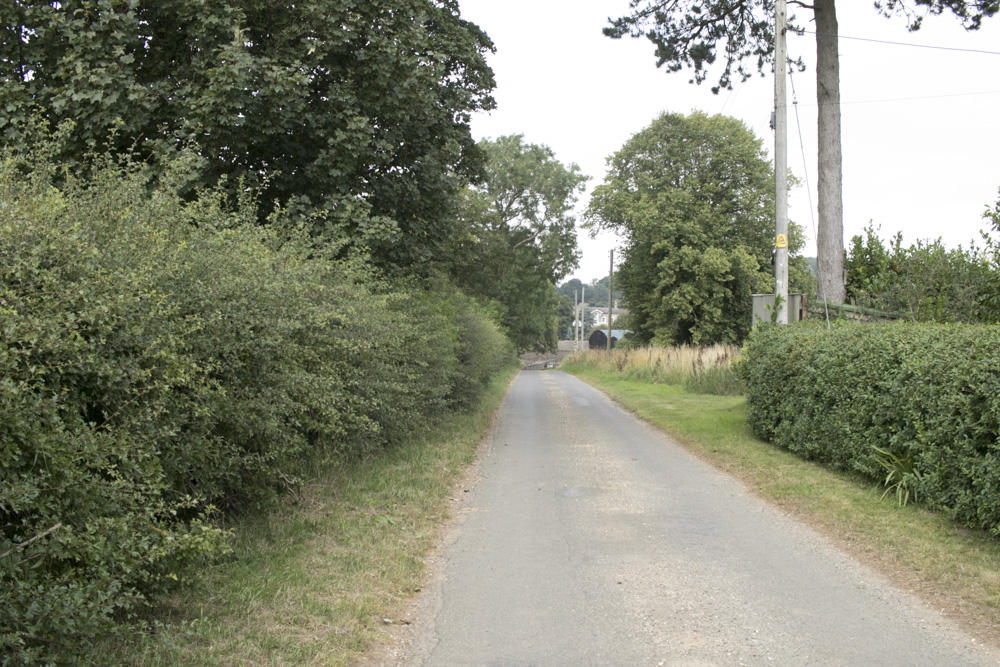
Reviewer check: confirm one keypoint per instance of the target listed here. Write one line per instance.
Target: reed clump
(706, 370)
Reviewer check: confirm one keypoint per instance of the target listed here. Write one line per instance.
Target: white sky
(921, 127)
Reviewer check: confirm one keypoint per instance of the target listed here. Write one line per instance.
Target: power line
(732, 96)
(802, 147)
(763, 124)
(918, 46)
(909, 99)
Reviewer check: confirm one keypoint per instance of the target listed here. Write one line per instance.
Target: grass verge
(311, 582)
(953, 569)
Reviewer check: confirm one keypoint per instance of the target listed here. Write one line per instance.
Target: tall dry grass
(707, 370)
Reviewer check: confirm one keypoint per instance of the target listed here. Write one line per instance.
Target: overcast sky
(921, 126)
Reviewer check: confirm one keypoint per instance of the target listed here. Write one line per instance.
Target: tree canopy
(596, 293)
(693, 35)
(970, 12)
(693, 197)
(520, 236)
(690, 34)
(354, 115)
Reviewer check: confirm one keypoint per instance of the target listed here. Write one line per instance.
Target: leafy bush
(925, 282)
(928, 394)
(161, 358)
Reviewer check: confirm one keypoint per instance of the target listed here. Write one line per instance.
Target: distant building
(599, 339)
(601, 315)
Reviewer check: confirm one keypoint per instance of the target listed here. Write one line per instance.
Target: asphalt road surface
(592, 539)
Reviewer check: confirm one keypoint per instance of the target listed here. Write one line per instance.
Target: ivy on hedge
(162, 358)
(925, 392)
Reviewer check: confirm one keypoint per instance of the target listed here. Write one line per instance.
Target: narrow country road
(592, 539)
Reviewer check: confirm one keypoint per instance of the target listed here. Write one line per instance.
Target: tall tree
(521, 236)
(564, 315)
(353, 115)
(693, 197)
(693, 33)
(571, 288)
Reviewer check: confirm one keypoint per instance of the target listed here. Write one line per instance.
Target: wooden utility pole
(780, 166)
(611, 293)
(576, 319)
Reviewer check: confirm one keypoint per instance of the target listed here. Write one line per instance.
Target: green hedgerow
(927, 393)
(163, 357)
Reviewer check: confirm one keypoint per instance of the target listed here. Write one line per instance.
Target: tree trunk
(830, 235)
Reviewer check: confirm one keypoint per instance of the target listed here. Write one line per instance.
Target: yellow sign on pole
(780, 241)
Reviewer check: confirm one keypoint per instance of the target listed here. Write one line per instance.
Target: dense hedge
(927, 393)
(160, 359)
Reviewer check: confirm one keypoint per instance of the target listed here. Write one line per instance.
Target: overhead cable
(918, 46)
